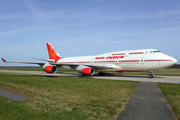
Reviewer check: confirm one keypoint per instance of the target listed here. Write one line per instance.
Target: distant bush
(175, 66)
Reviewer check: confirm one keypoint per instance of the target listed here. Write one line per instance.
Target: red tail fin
(52, 53)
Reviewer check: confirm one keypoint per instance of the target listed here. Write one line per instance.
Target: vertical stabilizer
(52, 53)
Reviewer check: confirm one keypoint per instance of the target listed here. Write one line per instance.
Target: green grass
(37, 69)
(168, 72)
(66, 98)
(172, 93)
(19, 68)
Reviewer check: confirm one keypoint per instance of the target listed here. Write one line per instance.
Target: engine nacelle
(88, 71)
(85, 70)
(49, 68)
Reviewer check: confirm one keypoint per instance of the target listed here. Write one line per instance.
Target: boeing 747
(120, 61)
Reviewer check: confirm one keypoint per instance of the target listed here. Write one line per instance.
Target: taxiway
(165, 79)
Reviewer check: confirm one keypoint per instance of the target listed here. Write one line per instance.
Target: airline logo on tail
(53, 54)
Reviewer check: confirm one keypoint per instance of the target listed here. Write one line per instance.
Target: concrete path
(147, 103)
(12, 96)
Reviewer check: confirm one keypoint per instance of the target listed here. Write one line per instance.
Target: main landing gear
(101, 73)
(150, 74)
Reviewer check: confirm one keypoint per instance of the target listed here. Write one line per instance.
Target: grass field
(161, 72)
(37, 69)
(66, 98)
(19, 68)
(172, 93)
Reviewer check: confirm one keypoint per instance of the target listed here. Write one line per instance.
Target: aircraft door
(92, 61)
(142, 61)
(126, 53)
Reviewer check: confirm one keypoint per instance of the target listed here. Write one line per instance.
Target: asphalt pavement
(147, 103)
(13, 96)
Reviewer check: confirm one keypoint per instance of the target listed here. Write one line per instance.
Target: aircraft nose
(174, 60)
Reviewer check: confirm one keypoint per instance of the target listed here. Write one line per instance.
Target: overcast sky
(87, 27)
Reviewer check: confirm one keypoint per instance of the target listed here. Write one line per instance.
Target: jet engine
(88, 71)
(49, 68)
(85, 70)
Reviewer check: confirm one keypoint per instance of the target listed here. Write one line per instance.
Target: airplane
(120, 61)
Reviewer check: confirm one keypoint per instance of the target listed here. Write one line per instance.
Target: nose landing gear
(150, 74)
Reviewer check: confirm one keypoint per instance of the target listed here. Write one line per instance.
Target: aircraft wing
(39, 63)
(105, 66)
(72, 65)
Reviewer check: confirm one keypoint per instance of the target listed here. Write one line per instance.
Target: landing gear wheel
(150, 76)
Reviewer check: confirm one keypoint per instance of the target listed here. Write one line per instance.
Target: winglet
(52, 53)
(3, 60)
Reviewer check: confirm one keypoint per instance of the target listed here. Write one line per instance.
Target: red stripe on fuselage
(118, 61)
(158, 60)
(119, 54)
(136, 53)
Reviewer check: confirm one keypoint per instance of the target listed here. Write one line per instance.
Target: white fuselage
(132, 60)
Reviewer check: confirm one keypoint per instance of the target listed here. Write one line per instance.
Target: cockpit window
(156, 51)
